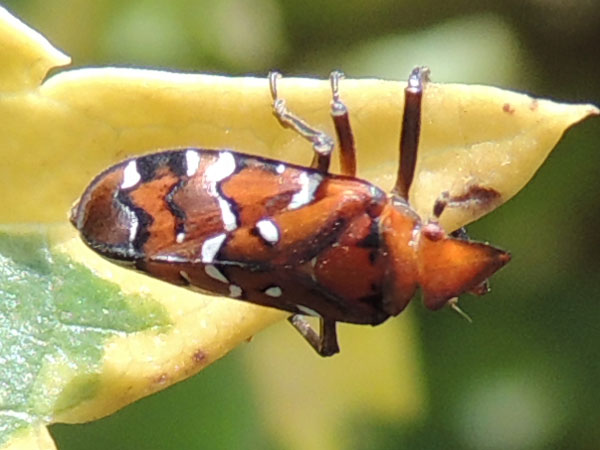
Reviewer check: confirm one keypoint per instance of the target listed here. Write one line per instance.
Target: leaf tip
(27, 55)
(593, 110)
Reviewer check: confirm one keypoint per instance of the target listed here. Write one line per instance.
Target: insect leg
(325, 343)
(321, 142)
(461, 233)
(411, 130)
(341, 120)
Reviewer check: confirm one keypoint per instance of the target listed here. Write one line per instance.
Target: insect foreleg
(411, 130)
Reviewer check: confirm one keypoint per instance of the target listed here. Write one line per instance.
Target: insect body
(290, 237)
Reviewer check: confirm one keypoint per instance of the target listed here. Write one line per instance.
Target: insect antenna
(411, 130)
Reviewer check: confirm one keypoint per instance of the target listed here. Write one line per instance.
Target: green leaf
(55, 318)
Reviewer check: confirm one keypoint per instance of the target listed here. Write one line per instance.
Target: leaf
(56, 317)
(26, 55)
(490, 138)
(81, 337)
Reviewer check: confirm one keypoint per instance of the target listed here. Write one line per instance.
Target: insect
(295, 238)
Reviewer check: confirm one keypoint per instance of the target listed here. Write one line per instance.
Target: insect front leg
(325, 343)
(411, 130)
(321, 142)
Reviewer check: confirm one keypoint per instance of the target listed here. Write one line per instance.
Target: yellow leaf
(55, 136)
(36, 438)
(79, 122)
(26, 55)
(378, 375)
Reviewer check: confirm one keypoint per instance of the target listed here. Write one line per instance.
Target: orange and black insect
(295, 238)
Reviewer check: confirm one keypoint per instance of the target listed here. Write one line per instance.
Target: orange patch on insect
(350, 270)
(203, 215)
(260, 193)
(449, 267)
(150, 196)
(398, 224)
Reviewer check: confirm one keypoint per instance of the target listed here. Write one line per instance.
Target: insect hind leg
(322, 143)
(325, 343)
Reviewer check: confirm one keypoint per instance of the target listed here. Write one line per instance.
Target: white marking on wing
(308, 311)
(223, 167)
(215, 273)
(268, 231)
(308, 185)
(274, 291)
(185, 276)
(235, 291)
(131, 176)
(211, 247)
(227, 215)
(216, 172)
(134, 223)
(192, 161)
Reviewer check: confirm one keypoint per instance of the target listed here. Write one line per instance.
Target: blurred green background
(526, 374)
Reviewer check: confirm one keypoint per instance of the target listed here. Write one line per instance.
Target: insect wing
(242, 226)
(298, 240)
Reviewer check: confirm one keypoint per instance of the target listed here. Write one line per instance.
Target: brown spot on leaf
(533, 105)
(476, 196)
(199, 356)
(507, 108)
(161, 379)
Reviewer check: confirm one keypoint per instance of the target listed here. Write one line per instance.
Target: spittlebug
(295, 238)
